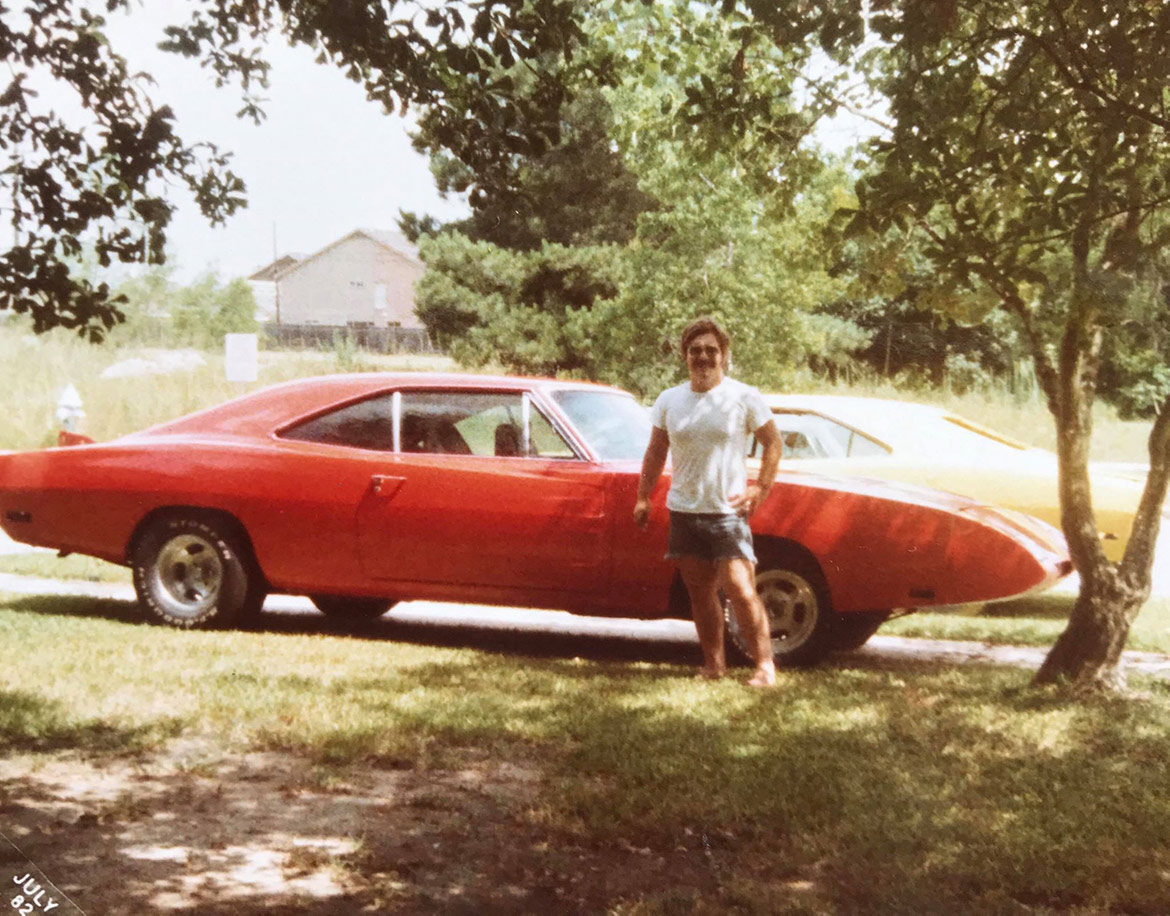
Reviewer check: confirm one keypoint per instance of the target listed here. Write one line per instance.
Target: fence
(379, 340)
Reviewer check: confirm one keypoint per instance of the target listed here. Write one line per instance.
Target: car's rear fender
(15, 519)
(4, 462)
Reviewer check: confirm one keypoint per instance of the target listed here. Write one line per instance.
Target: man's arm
(652, 464)
(772, 443)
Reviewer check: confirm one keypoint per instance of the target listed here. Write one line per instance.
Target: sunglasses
(703, 351)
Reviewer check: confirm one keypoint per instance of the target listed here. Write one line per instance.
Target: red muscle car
(365, 489)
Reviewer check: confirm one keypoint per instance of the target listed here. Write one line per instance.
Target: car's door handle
(385, 486)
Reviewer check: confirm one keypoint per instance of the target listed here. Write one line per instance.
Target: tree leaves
(109, 175)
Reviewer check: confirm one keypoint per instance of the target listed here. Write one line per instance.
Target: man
(706, 425)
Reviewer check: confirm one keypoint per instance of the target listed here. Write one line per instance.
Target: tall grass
(34, 370)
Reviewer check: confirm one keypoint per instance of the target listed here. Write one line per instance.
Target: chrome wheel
(798, 607)
(188, 575)
(196, 571)
(792, 607)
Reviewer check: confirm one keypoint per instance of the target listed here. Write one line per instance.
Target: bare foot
(764, 676)
(711, 673)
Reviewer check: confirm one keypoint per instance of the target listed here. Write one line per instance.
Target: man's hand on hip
(747, 503)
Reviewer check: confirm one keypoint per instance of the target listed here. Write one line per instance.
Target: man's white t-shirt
(709, 434)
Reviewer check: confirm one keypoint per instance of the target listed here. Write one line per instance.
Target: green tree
(699, 233)
(97, 179)
(146, 301)
(1030, 149)
(108, 174)
(203, 312)
(576, 192)
(918, 328)
(540, 312)
(1027, 152)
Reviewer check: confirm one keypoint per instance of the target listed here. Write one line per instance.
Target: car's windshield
(616, 426)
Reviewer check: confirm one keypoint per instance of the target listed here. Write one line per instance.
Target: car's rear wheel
(342, 608)
(196, 572)
(853, 630)
(799, 610)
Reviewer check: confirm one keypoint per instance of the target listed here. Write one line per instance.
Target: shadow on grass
(75, 606)
(246, 841)
(840, 793)
(540, 644)
(32, 723)
(497, 640)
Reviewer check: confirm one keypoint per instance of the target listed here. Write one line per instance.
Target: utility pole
(275, 272)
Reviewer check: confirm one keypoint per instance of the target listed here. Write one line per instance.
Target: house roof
(271, 271)
(287, 264)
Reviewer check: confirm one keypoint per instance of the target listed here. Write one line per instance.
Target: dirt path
(198, 832)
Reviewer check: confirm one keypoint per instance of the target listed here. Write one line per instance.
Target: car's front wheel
(799, 610)
(342, 608)
(195, 572)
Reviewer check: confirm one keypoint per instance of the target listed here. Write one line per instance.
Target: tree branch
(1137, 563)
(1075, 81)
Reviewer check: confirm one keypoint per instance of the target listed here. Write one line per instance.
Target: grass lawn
(48, 565)
(1032, 621)
(578, 782)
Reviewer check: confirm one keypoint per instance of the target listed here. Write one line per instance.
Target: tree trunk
(1088, 652)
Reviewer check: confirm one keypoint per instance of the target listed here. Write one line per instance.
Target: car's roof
(898, 424)
(858, 411)
(259, 412)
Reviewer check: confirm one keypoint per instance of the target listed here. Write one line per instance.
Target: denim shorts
(710, 537)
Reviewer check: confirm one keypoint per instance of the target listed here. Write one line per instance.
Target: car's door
(483, 491)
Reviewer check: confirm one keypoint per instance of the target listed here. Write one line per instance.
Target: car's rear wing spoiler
(65, 437)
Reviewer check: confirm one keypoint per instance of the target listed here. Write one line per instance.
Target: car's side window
(429, 422)
(808, 435)
(477, 423)
(366, 424)
(852, 443)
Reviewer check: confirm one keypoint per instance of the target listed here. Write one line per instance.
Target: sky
(326, 160)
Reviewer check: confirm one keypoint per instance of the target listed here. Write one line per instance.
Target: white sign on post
(240, 360)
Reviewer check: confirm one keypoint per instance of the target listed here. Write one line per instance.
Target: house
(362, 280)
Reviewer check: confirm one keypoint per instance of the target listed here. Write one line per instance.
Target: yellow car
(929, 446)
